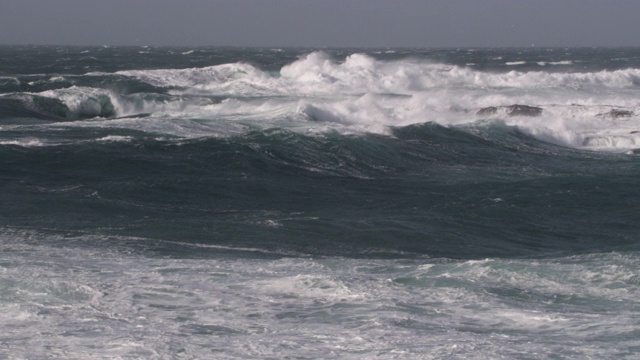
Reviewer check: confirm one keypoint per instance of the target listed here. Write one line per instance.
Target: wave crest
(361, 94)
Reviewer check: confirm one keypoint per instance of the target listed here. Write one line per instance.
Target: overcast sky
(314, 23)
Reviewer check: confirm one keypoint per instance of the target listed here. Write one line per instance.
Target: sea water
(161, 202)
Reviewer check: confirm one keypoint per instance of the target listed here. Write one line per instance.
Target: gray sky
(364, 23)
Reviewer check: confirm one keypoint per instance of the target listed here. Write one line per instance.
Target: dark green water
(427, 190)
(473, 191)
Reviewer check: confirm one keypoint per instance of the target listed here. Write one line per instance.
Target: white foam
(86, 101)
(72, 297)
(318, 93)
(564, 62)
(115, 138)
(208, 78)
(25, 142)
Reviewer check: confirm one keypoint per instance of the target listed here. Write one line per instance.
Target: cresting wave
(360, 94)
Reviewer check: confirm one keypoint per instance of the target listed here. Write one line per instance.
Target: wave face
(451, 202)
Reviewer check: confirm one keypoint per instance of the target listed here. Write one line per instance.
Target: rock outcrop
(511, 110)
(617, 113)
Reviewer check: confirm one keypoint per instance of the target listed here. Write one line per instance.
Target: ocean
(266, 203)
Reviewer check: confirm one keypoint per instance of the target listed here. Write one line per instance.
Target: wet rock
(524, 110)
(491, 110)
(511, 110)
(618, 113)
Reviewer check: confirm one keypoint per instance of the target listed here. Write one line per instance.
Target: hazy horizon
(327, 23)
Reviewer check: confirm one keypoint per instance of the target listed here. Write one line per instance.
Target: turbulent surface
(61, 301)
(269, 203)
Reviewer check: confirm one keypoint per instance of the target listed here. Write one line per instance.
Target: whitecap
(360, 94)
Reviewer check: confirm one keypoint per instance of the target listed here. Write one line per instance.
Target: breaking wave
(360, 94)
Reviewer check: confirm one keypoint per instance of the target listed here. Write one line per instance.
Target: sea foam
(362, 94)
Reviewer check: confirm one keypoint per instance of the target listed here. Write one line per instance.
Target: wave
(223, 79)
(426, 190)
(57, 105)
(360, 94)
(360, 73)
(9, 84)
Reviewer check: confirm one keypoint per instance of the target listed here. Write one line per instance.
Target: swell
(426, 191)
